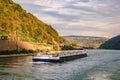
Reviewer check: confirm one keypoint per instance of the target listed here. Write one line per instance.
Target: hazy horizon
(99, 18)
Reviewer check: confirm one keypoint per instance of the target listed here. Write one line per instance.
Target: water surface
(99, 65)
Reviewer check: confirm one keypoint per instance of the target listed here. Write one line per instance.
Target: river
(99, 65)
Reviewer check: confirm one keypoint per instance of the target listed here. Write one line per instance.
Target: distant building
(3, 37)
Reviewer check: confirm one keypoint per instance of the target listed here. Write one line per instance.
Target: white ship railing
(63, 53)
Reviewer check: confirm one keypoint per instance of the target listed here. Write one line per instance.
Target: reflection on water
(13, 62)
(4, 74)
(99, 65)
(14, 68)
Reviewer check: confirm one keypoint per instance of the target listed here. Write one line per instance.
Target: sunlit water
(99, 65)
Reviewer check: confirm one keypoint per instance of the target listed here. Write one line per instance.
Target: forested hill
(15, 22)
(113, 43)
(86, 41)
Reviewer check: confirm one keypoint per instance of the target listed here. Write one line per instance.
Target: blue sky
(77, 17)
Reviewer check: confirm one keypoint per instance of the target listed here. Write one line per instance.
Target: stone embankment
(16, 45)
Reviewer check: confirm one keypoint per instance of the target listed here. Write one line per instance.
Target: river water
(99, 65)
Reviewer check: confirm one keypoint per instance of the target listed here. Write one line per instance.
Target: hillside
(86, 41)
(18, 24)
(113, 43)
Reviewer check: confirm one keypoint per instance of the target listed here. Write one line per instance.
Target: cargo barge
(60, 56)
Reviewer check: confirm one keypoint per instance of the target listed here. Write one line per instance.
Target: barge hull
(45, 60)
(67, 58)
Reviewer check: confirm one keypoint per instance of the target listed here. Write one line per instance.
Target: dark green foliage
(87, 47)
(7, 52)
(28, 27)
(27, 51)
(67, 47)
(113, 43)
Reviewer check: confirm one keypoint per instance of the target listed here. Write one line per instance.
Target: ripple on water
(108, 71)
(99, 65)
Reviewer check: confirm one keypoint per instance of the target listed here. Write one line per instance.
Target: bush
(27, 51)
(56, 48)
(7, 52)
(67, 47)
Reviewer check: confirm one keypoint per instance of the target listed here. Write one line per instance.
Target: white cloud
(49, 4)
(83, 17)
(83, 4)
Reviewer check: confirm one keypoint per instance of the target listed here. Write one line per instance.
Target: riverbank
(15, 55)
(22, 54)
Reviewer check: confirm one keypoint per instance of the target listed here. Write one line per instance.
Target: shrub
(7, 52)
(27, 51)
(67, 47)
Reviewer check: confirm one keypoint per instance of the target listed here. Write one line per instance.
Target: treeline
(24, 51)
